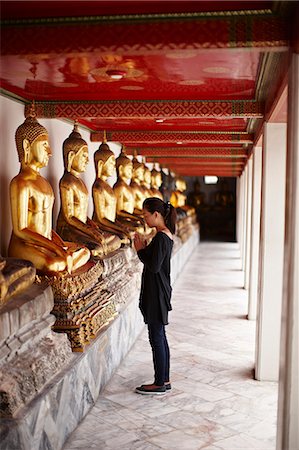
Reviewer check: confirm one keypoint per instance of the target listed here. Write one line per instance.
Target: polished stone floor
(215, 403)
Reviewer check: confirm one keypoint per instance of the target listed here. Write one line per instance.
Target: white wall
(11, 116)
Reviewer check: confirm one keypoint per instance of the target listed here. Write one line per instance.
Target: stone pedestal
(31, 354)
(184, 228)
(86, 302)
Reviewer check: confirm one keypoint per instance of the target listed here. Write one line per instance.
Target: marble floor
(215, 403)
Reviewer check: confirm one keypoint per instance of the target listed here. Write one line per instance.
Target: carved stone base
(184, 228)
(87, 302)
(31, 354)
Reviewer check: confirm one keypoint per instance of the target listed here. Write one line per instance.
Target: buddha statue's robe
(156, 182)
(104, 200)
(125, 206)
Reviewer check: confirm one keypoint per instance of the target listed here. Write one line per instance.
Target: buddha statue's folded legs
(66, 257)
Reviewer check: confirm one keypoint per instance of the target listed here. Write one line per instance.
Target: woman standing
(155, 287)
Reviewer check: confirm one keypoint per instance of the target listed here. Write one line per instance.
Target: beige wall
(11, 116)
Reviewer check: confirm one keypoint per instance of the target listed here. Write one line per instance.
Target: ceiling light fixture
(159, 120)
(179, 142)
(115, 74)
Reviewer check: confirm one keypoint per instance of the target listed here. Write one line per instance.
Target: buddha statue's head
(104, 160)
(138, 170)
(75, 152)
(32, 142)
(124, 166)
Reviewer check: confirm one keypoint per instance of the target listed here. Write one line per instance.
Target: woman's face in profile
(150, 218)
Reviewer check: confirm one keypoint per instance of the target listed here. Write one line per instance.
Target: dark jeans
(159, 344)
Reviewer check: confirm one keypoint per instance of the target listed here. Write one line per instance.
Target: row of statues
(117, 211)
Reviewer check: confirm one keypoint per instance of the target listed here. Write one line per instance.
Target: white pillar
(271, 252)
(238, 210)
(288, 398)
(255, 232)
(240, 207)
(244, 219)
(248, 223)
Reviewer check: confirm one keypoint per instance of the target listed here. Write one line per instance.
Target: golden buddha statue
(32, 201)
(73, 223)
(104, 198)
(175, 198)
(147, 181)
(136, 185)
(156, 182)
(125, 195)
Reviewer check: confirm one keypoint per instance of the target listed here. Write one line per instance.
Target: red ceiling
(204, 68)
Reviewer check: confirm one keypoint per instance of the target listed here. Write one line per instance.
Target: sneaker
(167, 386)
(146, 390)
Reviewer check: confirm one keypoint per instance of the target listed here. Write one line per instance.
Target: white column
(288, 398)
(238, 209)
(248, 223)
(271, 252)
(240, 206)
(244, 219)
(255, 232)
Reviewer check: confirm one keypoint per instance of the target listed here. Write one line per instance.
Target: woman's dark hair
(166, 210)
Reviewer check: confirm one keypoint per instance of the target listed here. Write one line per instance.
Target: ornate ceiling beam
(197, 162)
(235, 29)
(198, 172)
(130, 109)
(199, 152)
(149, 138)
(204, 170)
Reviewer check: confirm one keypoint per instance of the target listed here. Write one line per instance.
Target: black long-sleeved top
(156, 290)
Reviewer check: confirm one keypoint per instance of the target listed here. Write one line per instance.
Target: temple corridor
(215, 403)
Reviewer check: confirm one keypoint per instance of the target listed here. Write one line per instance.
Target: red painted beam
(199, 161)
(150, 109)
(143, 34)
(148, 138)
(205, 152)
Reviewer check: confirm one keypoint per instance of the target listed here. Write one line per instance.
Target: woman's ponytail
(170, 217)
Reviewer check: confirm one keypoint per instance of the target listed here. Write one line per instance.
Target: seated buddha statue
(32, 201)
(104, 198)
(196, 198)
(190, 210)
(175, 195)
(224, 198)
(156, 182)
(73, 223)
(136, 185)
(125, 196)
(147, 182)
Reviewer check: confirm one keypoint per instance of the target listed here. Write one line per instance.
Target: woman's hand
(139, 242)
